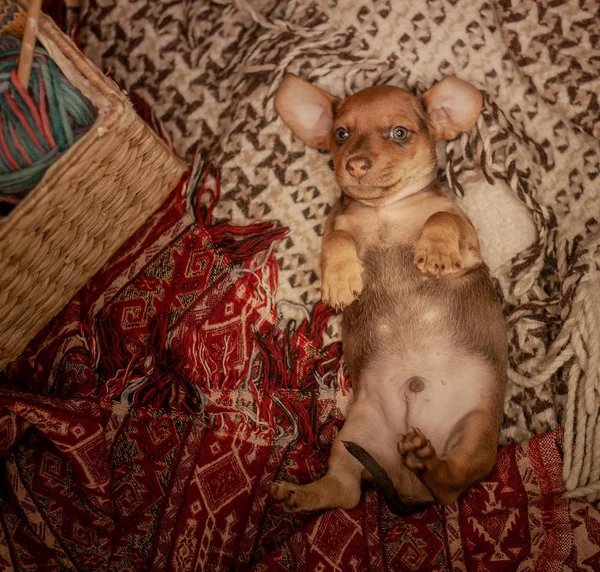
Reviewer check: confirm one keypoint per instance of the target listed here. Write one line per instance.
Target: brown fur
(423, 332)
(398, 293)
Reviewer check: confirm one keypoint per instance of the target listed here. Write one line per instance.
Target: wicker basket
(87, 204)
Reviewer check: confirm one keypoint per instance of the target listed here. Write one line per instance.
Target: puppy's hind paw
(418, 454)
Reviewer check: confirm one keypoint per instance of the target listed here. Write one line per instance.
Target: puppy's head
(382, 139)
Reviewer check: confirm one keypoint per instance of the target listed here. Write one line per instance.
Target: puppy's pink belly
(433, 399)
(435, 410)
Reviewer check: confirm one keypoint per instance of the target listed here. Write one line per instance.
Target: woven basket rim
(106, 96)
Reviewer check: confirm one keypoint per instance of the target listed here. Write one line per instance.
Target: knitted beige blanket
(527, 174)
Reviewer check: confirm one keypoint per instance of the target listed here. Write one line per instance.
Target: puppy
(423, 332)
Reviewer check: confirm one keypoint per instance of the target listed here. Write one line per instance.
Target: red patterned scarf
(142, 428)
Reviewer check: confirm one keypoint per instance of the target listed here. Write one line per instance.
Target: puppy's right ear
(307, 110)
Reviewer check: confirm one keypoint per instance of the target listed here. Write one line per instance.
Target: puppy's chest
(387, 226)
(396, 224)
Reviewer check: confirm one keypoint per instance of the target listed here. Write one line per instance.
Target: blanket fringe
(151, 376)
(295, 369)
(281, 350)
(202, 197)
(239, 243)
(280, 387)
(242, 243)
(581, 449)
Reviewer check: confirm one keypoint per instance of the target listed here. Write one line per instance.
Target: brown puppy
(423, 332)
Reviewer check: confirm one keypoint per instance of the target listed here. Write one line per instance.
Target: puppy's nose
(358, 166)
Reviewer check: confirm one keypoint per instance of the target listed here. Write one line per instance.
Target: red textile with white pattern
(141, 429)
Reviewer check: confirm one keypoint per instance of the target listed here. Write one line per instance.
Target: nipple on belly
(384, 328)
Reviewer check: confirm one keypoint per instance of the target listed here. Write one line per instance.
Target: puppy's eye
(341, 134)
(399, 133)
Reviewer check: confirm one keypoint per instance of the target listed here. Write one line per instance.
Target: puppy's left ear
(453, 107)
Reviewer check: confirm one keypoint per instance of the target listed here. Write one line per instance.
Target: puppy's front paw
(342, 282)
(438, 257)
(418, 454)
(288, 495)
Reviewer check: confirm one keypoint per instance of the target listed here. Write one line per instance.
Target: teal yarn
(38, 125)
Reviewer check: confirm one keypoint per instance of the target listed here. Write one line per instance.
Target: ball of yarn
(37, 125)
